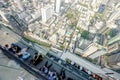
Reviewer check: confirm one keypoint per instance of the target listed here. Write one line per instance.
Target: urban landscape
(60, 39)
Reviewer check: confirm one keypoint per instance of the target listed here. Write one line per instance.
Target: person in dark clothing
(18, 49)
(62, 75)
(11, 48)
(69, 78)
(35, 57)
(46, 63)
(14, 48)
(52, 75)
(46, 67)
(6, 47)
(39, 59)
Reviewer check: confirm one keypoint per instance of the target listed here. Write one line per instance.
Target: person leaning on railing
(14, 48)
(37, 58)
(6, 46)
(45, 69)
(62, 74)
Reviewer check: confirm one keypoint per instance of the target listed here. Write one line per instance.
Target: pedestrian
(62, 75)
(52, 75)
(6, 47)
(45, 69)
(35, 58)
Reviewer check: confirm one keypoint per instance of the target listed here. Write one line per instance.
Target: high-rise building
(57, 6)
(46, 13)
(46, 1)
(3, 16)
(35, 3)
(19, 4)
(67, 1)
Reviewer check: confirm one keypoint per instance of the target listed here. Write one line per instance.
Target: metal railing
(78, 73)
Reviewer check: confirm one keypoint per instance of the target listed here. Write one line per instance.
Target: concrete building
(67, 1)
(53, 39)
(114, 59)
(36, 14)
(2, 14)
(95, 4)
(114, 47)
(33, 26)
(101, 8)
(35, 3)
(57, 5)
(84, 18)
(100, 24)
(103, 30)
(114, 39)
(46, 13)
(19, 4)
(82, 45)
(114, 14)
(97, 54)
(90, 50)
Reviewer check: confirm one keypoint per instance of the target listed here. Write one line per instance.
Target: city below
(60, 40)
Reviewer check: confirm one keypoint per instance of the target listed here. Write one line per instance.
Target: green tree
(85, 34)
(69, 15)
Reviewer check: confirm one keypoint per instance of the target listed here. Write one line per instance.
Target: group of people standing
(13, 48)
(52, 74)
(22, 53)
(37, 58)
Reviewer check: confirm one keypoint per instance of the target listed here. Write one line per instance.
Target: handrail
(67, 69)
(83, 75)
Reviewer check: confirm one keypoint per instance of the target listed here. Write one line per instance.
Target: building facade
(46, 13)
(57, 6)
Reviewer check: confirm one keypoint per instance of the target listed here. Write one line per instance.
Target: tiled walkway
(9, 69)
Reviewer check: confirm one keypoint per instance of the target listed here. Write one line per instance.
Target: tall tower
(57, 6)
(46, 13)
(19, 4)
